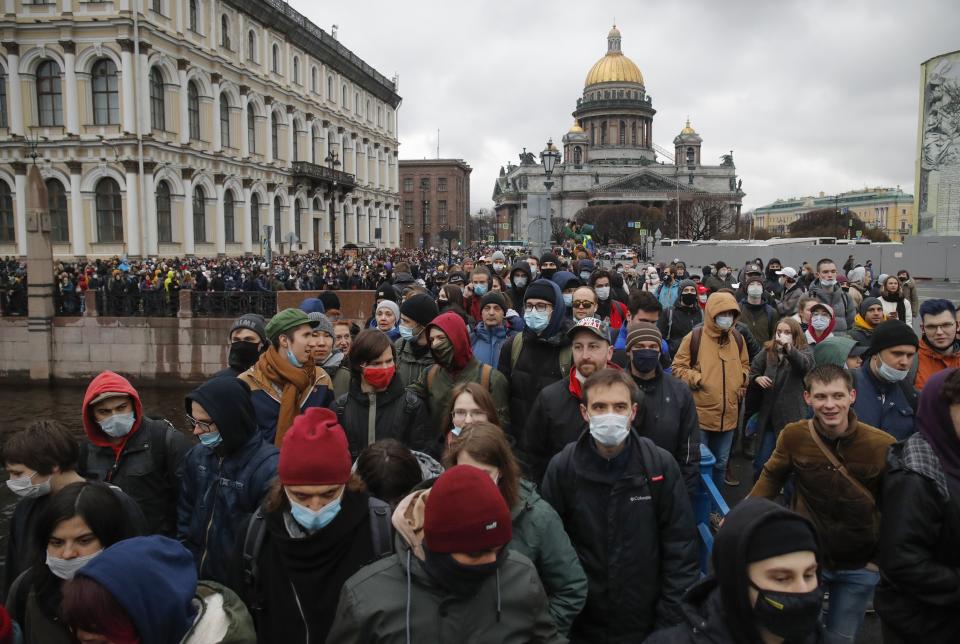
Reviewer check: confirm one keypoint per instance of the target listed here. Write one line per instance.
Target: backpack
(486, 371)
(566, 356)
(381, 533)
(697, 335)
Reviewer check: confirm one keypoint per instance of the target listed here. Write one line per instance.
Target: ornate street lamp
(549, 158)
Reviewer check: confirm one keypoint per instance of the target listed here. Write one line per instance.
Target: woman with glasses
(378, 404)
(469, 403)
(225, 477)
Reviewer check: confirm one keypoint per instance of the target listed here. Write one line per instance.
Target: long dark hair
(486, 443)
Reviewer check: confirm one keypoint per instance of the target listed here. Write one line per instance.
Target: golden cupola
(614, 67)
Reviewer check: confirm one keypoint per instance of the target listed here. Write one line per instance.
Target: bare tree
(702, 217)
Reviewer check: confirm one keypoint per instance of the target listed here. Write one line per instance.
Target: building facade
(887, 209)
(436, 198)
(186, 127)
(609, 157)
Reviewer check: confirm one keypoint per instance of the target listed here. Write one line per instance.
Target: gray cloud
(810, 96)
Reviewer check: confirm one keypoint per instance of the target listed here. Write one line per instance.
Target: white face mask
(785, 338)
(754, 290)
(609, 429)
(67, 568)
(820, 322)
(828, 282)
(724, 321)
(603, 292)
(25, 488)
(888, 373)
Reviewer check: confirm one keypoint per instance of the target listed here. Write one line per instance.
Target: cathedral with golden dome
(609, 157)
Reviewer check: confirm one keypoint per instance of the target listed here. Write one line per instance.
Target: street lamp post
(333, 163)
(424, 207)
(548, 158)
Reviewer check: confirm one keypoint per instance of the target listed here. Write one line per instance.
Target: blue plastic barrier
(708, 500)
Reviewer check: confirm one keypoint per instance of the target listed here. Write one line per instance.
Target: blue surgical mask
(724, 322)
(407, 333)
(456, 430)
(479, 289)
(293, 359)
(585, 276)
(537, 321)
(568, 299)
(118, 425)
(890, 374)
(519, 282)
(211, 439)
(313, 520)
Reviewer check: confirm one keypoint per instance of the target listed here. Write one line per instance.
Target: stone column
(78, 231)
(20, 205)
(182, 65)
(361, 165)
(396, 226)
(143, 92)
(132, 226)
(40, 287)
(363, 216)
(268, 107)
(246, 227)
(312, 157)
(188, 247)
(71, 106)
(215, 82)
(219, 226)
(152, 245)
(128, 124)
(291, 133)
(308, 232)
(292, 213)
(15, 101)
(244, 143)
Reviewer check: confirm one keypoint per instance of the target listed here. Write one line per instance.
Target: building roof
(614, 67)
(852, 198)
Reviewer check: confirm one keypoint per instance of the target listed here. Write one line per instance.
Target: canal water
(20, 405)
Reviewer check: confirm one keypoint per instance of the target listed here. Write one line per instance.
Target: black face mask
(688, 299)
(243, 355)
(792, 616)
(456, 577)
(772, 273)
(547, 273)
(645, 360)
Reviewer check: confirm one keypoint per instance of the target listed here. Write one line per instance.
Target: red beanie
(466, 513)
(314, 450)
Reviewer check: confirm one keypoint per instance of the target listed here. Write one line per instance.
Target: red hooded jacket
(112, 382)
(452, 325)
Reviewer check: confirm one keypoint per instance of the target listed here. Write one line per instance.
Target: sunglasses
(583, 304)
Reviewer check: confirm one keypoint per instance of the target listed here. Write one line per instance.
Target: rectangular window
(442, 213)
(442, 184)
(408, 184)
(408, 213)
(425, 183)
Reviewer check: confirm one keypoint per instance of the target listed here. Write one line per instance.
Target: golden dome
(688, 129)
(614, 67)
(575, 128)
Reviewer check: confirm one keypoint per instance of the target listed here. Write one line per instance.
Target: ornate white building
(184, 127)
(609, 156)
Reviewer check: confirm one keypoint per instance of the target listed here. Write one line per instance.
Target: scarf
(294, 382)
(895, 298)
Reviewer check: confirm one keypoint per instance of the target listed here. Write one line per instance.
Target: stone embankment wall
(144, 349)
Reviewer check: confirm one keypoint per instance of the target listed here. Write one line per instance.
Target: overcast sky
(810, 96)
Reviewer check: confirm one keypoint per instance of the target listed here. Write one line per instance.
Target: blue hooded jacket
(486, 342)
(224, 485)
(154, 580)
(557, 316)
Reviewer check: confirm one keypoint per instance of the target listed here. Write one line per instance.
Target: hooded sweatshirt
(223, 485)
(146, 463)
(516, 293)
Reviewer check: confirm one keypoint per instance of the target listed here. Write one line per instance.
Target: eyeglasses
(470, 414)
(539, 308)
(205, 426)
(939, 327)
(583, 304)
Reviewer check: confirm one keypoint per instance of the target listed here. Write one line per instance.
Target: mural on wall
(938, 173)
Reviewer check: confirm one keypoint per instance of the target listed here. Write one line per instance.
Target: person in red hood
(554, 420)
(142, 456)
(450, 346)
(822, 323)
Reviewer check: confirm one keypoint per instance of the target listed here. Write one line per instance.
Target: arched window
(297, 211)
(276, 58)
(155, 5)
(329, 88)
(251, 130)
(633, 133)
(57, 205)
(192, 16)
(251, 45)
(313, 80)
(277, 218)
(224, 121)
(343, 95)
(199, 215)
(577, 156)
(295, 153)
(368, 112)
(158, 119)
(622, 133)
(164, 214)
(228, 226)
(313, 143)
(255, 218)
(296, 70)
(225, 31)
(49, 94)
(3, 99)
(603, 133)
(109, 211)
(356, 103)
(275, 136)
(193, 110)
(690, 156)
(106, 95)
(7, 224)
(379, 116)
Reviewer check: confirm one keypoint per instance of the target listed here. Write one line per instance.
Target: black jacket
(669, 418)
(632, 526)
(148, 469)
(554, 423)
(676, 322)
(918, 596)
(399, 413)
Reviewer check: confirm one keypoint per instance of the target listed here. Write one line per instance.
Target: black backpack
(381, 533)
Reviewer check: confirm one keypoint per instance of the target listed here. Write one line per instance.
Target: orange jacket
(930, 361)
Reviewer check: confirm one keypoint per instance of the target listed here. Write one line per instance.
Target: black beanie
(420, 308)
(387, 292)
(494, 297)
(251, 321)
(330, 300)
(892, 333)
(542, 291)
(780, 535)
(549, 257)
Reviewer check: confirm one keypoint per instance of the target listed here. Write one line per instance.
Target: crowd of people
(508, 450)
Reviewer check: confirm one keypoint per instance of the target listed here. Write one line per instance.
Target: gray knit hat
(323, 323)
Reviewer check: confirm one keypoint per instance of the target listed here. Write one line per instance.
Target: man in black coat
(623, 502)
(669, 415)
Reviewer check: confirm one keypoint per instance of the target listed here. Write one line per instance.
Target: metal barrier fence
(231, 304)
(146, 304)
(708, 500)
(13, 301)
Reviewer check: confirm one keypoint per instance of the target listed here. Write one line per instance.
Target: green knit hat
(285, 320)
(836, 350)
